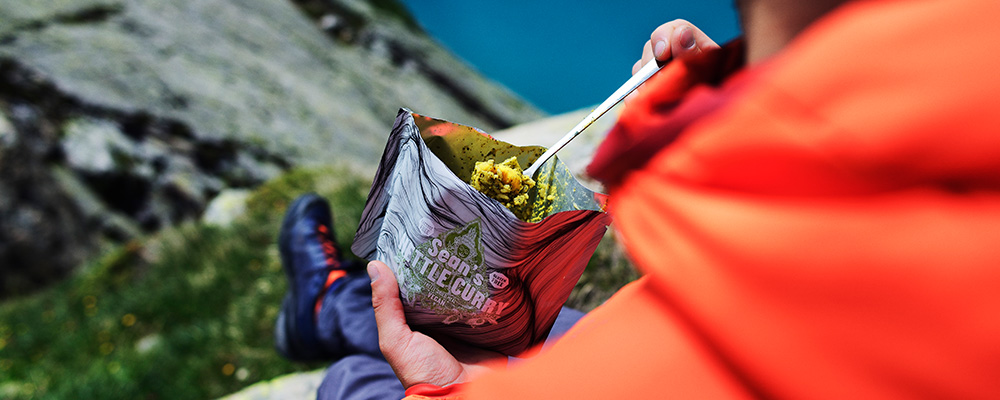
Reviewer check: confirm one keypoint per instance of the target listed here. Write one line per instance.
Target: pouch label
(447, 275)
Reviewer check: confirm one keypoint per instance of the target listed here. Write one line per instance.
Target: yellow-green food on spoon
(506, 183)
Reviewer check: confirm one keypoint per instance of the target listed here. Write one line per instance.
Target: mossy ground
(188, 313)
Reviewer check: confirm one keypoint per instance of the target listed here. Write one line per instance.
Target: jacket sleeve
(425, 391)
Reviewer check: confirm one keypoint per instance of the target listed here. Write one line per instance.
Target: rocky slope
(119, 117)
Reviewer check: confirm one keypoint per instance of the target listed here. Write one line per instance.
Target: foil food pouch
(467, 267)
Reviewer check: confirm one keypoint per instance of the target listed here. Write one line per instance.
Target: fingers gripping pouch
(467, 267)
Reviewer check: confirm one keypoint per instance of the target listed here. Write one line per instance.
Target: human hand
(417, 358)
(674, 40)
(677, 39)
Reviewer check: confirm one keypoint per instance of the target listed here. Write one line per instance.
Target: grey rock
(96, 216)
(226, 207)
(7, 135)
(96, 146)
(293, 386)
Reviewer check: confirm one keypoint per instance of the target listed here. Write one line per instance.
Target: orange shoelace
(332, 262)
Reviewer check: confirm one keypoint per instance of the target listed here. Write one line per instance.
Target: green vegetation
(188, 313)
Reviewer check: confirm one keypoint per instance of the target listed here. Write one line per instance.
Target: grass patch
(189, 313)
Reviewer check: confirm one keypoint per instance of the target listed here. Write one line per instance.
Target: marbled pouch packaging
(468, 269)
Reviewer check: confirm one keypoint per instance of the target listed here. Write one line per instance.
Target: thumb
(392, 328)
(684, 44)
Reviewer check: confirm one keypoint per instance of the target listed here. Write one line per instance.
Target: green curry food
(506, 183)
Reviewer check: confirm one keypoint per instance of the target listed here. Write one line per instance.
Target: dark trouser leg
(346, 325)
(360, 376)
(566, 319)
(346, 322)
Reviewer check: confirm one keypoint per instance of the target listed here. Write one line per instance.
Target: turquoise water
(561, 55)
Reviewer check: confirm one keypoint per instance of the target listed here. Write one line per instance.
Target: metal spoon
(630, 85)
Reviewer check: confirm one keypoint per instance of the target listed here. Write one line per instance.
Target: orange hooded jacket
(824, 225)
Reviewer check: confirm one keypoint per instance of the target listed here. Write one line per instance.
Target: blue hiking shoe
(312, 263)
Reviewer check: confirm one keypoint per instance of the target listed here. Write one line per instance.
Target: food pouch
(467, 267)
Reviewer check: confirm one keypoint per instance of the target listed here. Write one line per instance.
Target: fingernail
(686, 38)
(372, 272)
(659, 48)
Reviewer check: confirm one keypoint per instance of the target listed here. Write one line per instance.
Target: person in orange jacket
(819, 221)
